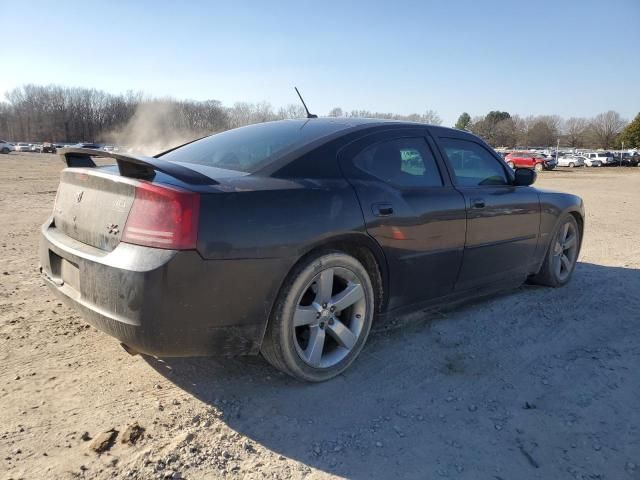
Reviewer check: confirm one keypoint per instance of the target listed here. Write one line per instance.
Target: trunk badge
(113, 228)
(79, 196)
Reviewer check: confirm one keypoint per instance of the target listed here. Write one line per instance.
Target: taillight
(163, 217)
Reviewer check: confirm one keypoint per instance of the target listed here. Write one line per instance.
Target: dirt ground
(535, 383)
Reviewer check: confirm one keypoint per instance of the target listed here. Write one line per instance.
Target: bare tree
(606, 127)
(575, 130)
(505, 133)
(292, 111)
(431, 117)
(541, 134)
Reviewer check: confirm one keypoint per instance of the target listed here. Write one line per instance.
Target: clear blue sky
(573, 58)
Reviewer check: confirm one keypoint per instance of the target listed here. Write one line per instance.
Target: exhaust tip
(131, 351)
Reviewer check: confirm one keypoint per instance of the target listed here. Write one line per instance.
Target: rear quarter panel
(276, 218)
(275, 221)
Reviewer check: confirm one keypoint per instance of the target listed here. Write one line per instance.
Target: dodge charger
(290, 238)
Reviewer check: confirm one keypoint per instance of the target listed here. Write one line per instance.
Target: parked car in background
(590, 162)
(530, 160)
(631, 160)
(571, 162)
(35, 147)
(627, 159)
(5, 147)
(550, 158)
(48, 147)
(110, 148)
(22, 147)
(604, 157)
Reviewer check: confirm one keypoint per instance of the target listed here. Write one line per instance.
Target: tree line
(35, 113)
(55, 113)
(63, 114)
(605, 130)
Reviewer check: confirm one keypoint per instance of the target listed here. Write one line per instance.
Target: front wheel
(321, 319)
(511, 165)
(5, 150)
(571, 164)
(562, 254)
(538, 167)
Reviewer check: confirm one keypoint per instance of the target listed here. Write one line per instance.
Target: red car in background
(530, 160)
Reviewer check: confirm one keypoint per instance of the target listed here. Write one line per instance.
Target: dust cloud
(155, 126)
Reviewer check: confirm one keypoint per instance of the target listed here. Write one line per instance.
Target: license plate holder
(70, 274)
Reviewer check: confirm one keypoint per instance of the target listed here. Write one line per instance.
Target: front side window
(403, 162)
(473, 165)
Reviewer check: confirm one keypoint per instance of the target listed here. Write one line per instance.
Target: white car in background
(591, 162)
(572, 161)
(5, 147)
(604, 158)
(22, 147)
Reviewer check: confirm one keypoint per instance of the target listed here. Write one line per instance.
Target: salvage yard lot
(536, 383)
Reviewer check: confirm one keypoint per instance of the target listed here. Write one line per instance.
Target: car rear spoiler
(134, 166)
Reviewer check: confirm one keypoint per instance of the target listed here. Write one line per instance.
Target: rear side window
(249, 148)
(404, 162)
(473, 165)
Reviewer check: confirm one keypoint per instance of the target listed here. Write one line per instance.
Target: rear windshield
(249, 148)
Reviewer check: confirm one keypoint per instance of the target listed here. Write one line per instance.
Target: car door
(527, 161)
(502, 219)
(411, 209)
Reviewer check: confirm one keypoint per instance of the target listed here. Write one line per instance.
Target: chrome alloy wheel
(565, 251)
(329, 317)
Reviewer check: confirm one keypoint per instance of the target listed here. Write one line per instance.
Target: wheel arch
(580, 221)
(358, 245)
(367, 251)
(576, 212)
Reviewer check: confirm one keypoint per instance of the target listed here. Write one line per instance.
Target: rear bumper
(163, 302)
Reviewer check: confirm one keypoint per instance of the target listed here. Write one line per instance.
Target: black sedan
(290, 238)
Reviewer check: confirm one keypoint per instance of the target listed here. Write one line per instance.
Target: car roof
(344, 123)
(350, 122)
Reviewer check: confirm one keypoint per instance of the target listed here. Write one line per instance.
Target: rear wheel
(5, 150)
(571, 164)
(538, 167)
(562, 255)
(511, 164)
(321, 319)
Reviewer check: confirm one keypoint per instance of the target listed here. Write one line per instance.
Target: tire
(511, 165)
(6, 151)
(538, 167)
(571, 164)
(307, 298)
(562, 254)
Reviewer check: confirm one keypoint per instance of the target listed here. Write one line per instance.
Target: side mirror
(524, 177)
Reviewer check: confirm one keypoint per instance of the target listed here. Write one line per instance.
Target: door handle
(477, 203)
(382, 209)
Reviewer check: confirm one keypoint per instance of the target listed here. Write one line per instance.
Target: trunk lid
(92, 207)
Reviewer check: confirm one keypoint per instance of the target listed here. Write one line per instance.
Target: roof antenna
(309, 115)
